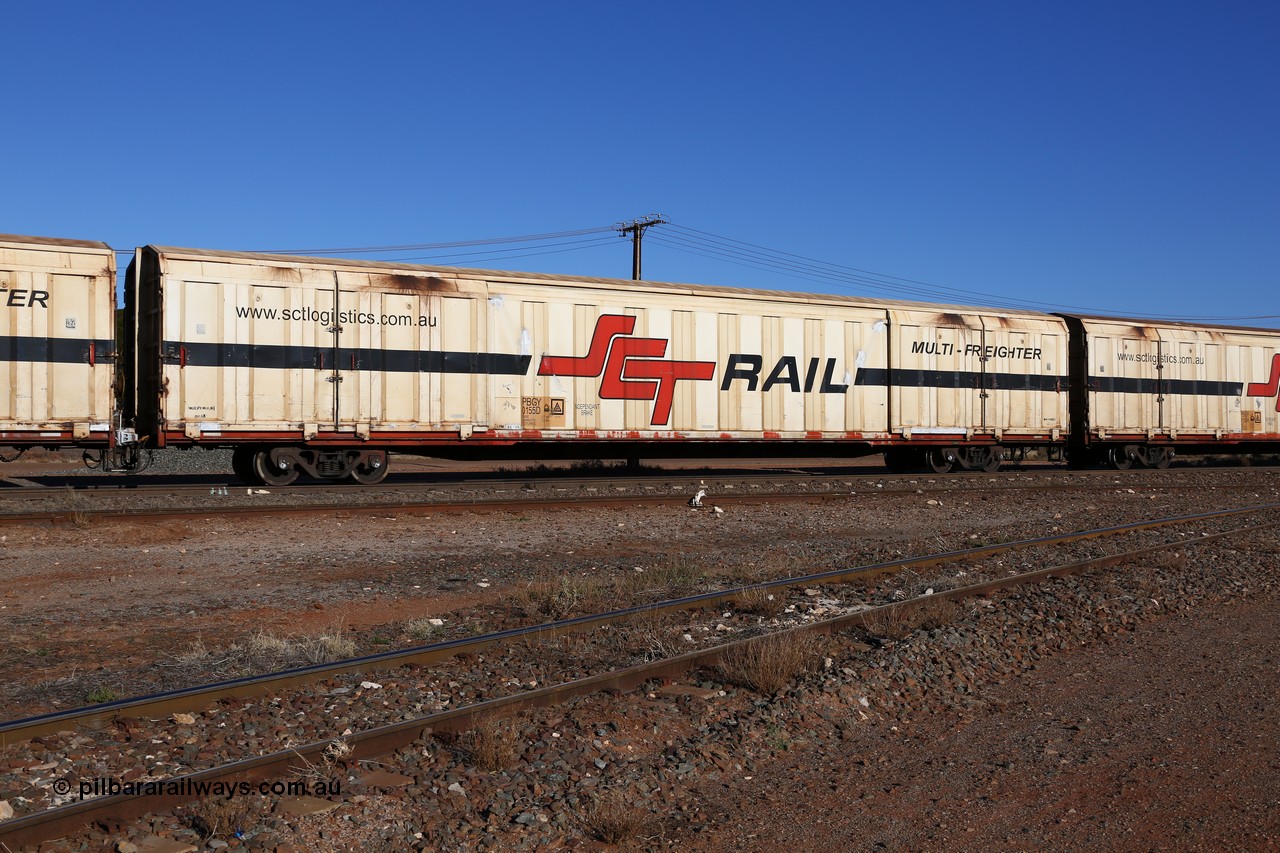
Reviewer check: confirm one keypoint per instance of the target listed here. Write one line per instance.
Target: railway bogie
(282, 466)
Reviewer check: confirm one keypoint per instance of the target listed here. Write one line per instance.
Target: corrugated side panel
(266, 346)
(295, 350)
(619, 364)
(1026, 369)
(247, 348)
(1182, 382)
(56, 341)
(986, 373)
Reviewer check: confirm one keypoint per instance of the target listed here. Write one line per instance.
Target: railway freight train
(322, 367)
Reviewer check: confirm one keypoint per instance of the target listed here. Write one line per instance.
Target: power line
(575, 245)
(847, 281)
(415, 247)
(742, 253)
(826, 271)
(728, 250)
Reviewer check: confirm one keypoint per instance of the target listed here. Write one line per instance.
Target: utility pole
(636, 229)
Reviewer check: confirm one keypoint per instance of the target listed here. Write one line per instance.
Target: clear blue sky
(1119, 157)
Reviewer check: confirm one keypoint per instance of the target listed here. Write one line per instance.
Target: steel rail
(81, 515)
(414, 480)
(195, 698)
(382, 740)
(408, 507)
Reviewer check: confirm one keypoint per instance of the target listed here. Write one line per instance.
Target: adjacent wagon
(57, 342)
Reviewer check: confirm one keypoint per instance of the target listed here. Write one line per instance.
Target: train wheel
(1160, 458)
(372, 473)
(1120, 460)
(992, 463)
(938, 461)
(271, 473)
(242, 465)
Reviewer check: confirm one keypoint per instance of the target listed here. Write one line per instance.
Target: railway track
(32, 486)
(384, 738)
(506, 494)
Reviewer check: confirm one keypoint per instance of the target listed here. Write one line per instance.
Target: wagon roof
(1166, 324)
(611, 283)
(53, 241)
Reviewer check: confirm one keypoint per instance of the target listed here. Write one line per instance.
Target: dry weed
(887, 623)
(613, 819)
(421, 629)
(493, 744)
(759, 601)
(768, 664)
(770, 566)
(1142, 585)
(77, 508)
(267, 651)
(217, 816)
(674, 575)
(646, 636)
(933, 613)
(561, 596)
(897, 621)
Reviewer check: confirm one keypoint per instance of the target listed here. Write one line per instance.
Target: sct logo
(1270, 388)
(633, 368)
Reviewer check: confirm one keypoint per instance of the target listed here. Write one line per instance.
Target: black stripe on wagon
(1191, 387)
(322, 358)
(55, 350)
(962, 379)
(433, 361)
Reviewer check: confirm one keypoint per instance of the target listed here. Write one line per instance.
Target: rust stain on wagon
(954, 320)
(412, 283)
(288, 275)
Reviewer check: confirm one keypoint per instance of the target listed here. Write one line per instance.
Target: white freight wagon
(1148, 388)
(322, 366)
(57, 347)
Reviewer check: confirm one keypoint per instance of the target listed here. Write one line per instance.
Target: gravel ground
(883, 742)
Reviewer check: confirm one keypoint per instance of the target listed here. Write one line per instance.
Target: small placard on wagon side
(541, 412)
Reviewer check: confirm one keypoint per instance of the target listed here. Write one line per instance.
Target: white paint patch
(879, 326)
(526, 342)
(496, 302)
(858, 364)
(210, 426)
(937, 430)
